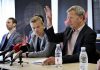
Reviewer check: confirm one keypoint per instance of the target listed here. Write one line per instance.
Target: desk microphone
(4, 52)
(16, 49)
(23, 49)
(7, 50)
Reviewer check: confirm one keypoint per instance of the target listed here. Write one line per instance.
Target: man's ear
(82, 18)
(14, 24)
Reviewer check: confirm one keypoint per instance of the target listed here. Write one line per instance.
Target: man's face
(38, 28)
(73, 19)
(9, 24)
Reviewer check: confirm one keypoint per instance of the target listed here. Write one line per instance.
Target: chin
(37, 34)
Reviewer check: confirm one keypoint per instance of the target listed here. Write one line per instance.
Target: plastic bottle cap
(58, 45)
(83, 48)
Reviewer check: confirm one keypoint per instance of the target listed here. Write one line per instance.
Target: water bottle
(98, 65)
(83, 58)
(58, 56)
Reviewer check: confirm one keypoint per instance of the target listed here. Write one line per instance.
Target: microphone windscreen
(17, 47)
(25, 48)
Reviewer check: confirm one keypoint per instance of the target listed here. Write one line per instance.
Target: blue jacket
(14, 39)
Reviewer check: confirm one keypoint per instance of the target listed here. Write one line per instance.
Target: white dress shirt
(72, 40)
(10, 32)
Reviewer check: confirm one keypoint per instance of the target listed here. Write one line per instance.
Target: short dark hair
(13, 20)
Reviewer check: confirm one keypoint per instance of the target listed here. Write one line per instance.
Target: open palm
(48, 15)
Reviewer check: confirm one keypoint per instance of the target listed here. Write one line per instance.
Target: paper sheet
(39, 61)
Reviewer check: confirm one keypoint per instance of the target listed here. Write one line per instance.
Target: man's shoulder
(89, 30)
(16, 34)
(5, 34)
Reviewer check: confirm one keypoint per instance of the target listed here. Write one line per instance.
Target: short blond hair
(36, 18)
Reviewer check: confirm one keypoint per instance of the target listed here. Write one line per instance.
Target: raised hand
(48, 15)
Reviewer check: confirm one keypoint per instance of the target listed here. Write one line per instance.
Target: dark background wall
(96, 17)
(63, 5)
(25, 9)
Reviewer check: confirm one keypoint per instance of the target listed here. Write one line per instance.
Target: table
(30, 66)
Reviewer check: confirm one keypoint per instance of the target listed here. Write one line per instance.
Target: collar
(79, 29)
(41, 37)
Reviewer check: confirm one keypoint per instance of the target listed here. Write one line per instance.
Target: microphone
(7, 50)
(4, 52)
(17, 56)
(16, 49)
(23, 49)
(17, 46)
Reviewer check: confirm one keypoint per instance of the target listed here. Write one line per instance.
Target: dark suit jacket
(86, 38)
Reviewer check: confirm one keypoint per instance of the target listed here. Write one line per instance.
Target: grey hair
(78, 9)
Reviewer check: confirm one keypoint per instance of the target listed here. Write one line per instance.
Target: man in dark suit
(76, 35)
(12, 37)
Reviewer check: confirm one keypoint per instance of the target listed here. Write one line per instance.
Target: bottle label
(58, 60)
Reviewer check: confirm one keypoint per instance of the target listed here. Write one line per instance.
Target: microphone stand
(11, 60)
(20, 60)
(3, 58)
(11, 56)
